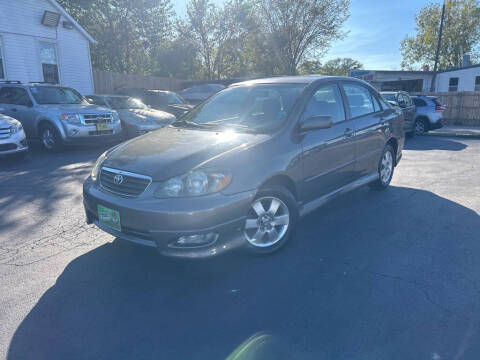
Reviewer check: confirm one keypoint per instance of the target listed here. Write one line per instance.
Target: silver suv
(429, 114)
(57, 115)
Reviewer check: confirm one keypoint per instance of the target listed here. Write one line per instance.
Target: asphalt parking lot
(372, 275)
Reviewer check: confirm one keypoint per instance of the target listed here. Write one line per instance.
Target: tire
(384, 177)
(420, 127)
(50, 138)
(261, 235)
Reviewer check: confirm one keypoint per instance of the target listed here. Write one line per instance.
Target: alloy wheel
(267, 222)
(48, 138)
(386, 167)
(419, 127)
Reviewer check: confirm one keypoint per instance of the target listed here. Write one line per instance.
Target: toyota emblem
(118, 179)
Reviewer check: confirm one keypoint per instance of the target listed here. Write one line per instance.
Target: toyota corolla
(240, 169)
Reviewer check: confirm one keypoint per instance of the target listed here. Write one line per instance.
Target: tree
(217, 33)
(461, 34)
(297, 29)
(340, 66)
(126, 31)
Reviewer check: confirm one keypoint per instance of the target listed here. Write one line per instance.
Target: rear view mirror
(317, 122)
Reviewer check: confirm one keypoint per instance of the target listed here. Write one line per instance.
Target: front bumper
(15, 143)
(75, 134)
(160, 222)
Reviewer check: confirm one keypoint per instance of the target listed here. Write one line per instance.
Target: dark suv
(403, 100)
(242, 167)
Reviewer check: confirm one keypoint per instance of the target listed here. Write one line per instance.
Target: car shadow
(433, 143)
(370, 275)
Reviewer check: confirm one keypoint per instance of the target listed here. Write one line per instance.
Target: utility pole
(437, 53)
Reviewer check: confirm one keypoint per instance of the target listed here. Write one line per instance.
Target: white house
(40, 41)
(463, 79)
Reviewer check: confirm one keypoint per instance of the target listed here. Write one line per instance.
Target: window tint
(453, 84)
(326, 101)
(14, 95)
(419, 102)
(376, 104)
(359, 100)
(48, 59)
(402, 100)
(477, 83)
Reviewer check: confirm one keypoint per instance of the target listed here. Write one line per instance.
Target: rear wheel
(271, 220)
(50, 138)
(420, 127)
(385, 169)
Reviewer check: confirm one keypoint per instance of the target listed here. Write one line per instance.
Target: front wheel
(50, 137)
(271, 220)
(385, 169)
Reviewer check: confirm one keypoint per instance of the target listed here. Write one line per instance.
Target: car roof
(301, 79)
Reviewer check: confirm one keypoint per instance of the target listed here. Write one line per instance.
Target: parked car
(429, 114)
(136, 117)
(403, 100)
(198, 93)
(239, 169)
(12, 137)
(168, 101)
(57, 115)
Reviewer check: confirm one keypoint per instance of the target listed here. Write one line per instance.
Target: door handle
(348, 133)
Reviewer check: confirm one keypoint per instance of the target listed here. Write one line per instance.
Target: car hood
(145, 115)
(77, 108)
(171, 151)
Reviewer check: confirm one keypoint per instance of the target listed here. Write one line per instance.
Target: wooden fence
(107, 82)
(463, 108)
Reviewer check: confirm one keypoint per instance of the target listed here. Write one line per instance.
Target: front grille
(90, 119)
(100, 132)
(4, 132)
(131, 184)
(6, 147)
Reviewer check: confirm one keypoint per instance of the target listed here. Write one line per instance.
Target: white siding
(21, 31)
(466, 79)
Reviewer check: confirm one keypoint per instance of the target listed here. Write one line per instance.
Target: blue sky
(376, 28)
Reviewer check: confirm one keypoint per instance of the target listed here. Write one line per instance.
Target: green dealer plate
(109, 217)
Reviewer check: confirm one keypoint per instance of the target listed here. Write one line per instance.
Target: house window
(477, 83)
(2, 70)
(48, 58)
(453, 84)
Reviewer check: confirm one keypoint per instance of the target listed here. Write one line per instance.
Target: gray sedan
(136, 117)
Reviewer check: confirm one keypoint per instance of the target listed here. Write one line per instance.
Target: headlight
(97, 165)
(195, 183)
(71, 118)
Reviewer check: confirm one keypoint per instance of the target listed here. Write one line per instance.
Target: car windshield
(56, 95)
(173, 98)
(118, 102)
(256, 108)
(390, 97)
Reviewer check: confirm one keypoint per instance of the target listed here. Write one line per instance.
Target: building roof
(72, 20)
(460, 68)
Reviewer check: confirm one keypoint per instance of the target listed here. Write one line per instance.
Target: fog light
(196, 240)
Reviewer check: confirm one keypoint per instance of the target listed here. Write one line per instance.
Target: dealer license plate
(102, 127)
(109, 217)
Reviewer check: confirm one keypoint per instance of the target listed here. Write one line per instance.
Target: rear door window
(359, 100)
(419, 102)
(14, 96)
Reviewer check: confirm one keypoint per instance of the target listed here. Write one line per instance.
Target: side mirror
(402, 104)
(317, 122)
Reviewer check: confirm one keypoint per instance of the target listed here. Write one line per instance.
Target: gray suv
(241, 168)
(57, 115)
(429, 114)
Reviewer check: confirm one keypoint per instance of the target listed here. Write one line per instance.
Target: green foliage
(461, 35)
(334, 67)
(241, 38)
